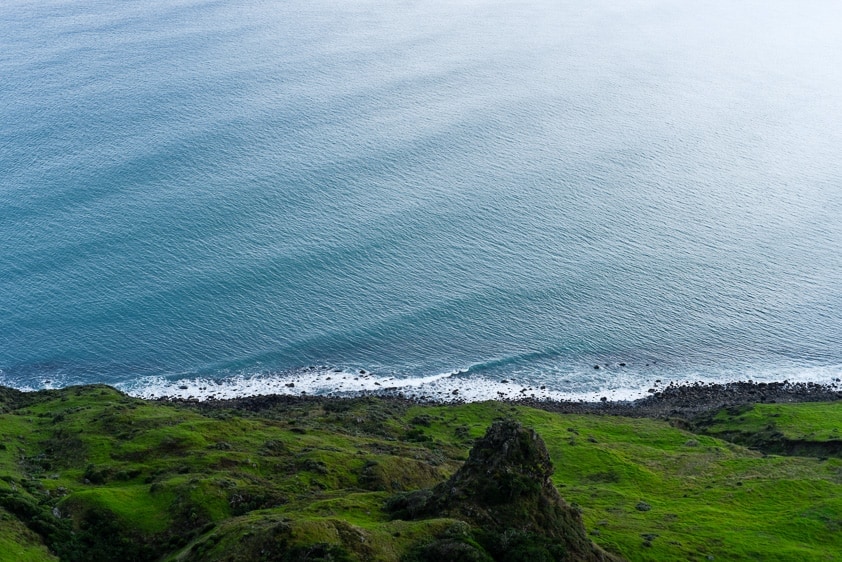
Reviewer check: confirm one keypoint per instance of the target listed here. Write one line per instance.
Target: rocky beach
(672, 400)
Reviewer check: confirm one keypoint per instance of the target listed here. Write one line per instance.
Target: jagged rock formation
(504, 490)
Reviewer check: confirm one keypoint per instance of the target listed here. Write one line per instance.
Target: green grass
(19, 543)
(204, 485)
(806, 421)
(132, 504)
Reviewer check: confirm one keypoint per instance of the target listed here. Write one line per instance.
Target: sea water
(564, 199)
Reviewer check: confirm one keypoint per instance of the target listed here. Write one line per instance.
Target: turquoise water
(234, 197)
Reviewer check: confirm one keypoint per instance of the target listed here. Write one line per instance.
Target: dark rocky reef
(505, 493)
(689, 400)
(684, 400)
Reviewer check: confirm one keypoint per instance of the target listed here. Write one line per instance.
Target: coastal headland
(739, 471)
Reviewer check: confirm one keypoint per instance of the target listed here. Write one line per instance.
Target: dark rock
(504, 488)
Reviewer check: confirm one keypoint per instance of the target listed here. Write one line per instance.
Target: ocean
(460, 199)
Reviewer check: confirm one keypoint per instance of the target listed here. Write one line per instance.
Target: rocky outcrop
(505, 491)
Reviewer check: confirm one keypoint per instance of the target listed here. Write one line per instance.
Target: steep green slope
(810, 429)
(93, 474)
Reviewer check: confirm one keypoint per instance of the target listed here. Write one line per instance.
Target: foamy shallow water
(447, 387)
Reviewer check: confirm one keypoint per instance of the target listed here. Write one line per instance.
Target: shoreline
(674, 400)
(684, 400)
(616, 383)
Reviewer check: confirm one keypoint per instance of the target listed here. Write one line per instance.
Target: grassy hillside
(87, 473)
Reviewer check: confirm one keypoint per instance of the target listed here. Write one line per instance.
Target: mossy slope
(795, 430)
(87, 473)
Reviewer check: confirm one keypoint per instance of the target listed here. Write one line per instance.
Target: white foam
(22, 387)
(611, 383)
(444, 387)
